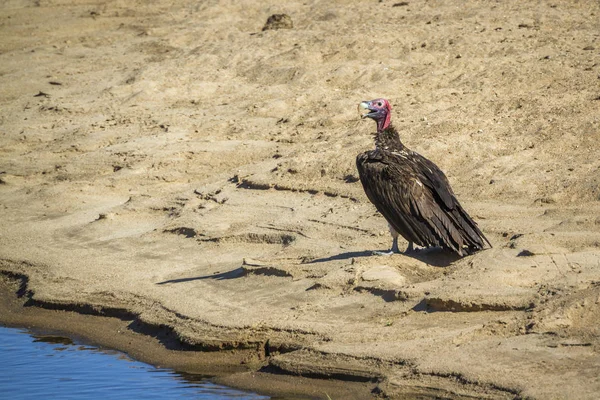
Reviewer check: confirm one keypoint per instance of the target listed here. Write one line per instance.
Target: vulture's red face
(379, 109)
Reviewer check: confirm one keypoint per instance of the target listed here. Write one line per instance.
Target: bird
(412, 193)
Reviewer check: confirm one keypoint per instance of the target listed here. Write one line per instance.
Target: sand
(178, 166)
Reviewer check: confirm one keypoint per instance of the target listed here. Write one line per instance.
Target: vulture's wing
(397, 195)
(435, 179)
(465, 230)
(414, 196)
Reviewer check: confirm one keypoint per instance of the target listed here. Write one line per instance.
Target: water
(49, 367)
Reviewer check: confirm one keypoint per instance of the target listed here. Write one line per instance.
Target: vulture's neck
(388, 139)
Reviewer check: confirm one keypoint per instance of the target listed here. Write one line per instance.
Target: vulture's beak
(364, 109)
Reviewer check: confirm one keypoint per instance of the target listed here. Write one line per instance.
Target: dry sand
(176, 164)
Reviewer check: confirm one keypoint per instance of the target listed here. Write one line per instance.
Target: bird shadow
(435, 256)
(233, 274)
(342, 256)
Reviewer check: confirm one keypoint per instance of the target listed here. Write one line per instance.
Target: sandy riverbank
(177, 164)
(242, 369)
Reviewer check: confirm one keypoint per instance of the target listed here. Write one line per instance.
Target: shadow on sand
(233, 274)
(341, 256)
(435, 256)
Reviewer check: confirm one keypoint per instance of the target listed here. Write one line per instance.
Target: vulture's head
(379, 109)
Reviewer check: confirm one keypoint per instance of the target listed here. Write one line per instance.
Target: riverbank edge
(252, 369)
(240, 369)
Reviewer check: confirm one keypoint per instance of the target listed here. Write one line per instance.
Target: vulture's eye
(379, 104)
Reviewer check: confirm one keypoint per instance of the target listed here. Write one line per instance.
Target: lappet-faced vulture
(412, 193)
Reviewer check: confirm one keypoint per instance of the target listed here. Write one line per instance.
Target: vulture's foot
(384, 253)
(393, 250)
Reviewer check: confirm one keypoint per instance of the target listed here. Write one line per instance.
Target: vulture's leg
(394, 249)
(410, 248)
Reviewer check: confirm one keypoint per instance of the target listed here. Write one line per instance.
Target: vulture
(412, 193)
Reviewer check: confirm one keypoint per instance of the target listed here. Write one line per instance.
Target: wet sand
(178, 167)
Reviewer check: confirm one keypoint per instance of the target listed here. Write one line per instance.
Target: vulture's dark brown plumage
(412, 193)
